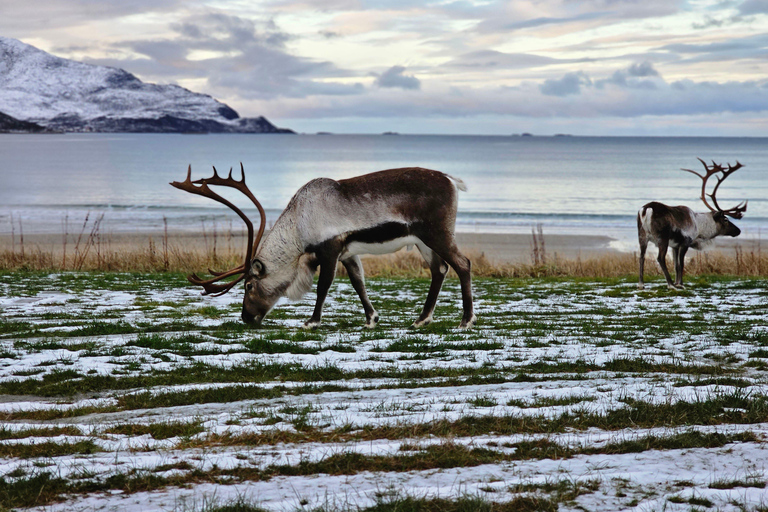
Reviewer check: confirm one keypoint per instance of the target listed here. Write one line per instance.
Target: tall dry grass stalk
(538, 248)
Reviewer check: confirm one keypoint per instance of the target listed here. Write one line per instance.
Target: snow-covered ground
(546, 351)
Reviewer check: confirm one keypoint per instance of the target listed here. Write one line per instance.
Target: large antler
(721, 173)
(200, 187)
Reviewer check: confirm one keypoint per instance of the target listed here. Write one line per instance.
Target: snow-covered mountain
(66, 95)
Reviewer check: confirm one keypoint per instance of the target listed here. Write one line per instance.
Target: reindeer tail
(459, 184)
(644, 217)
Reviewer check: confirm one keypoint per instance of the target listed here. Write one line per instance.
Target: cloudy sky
(589, 67)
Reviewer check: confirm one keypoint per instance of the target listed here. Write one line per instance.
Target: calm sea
(570, 185)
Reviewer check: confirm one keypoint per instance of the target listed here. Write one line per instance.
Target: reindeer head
(724, 227)
(256, 303)
(260, 293)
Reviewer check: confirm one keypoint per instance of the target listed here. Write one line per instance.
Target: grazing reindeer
(681, 228)
(328, 221)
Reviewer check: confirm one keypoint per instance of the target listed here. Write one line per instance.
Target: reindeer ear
(257, 268)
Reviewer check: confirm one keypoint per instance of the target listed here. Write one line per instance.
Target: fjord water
(571, 185)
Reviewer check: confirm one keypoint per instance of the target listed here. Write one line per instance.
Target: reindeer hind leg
(444, 244)
(681, 266)
(439, 269)
(643, 239)
(662, 259)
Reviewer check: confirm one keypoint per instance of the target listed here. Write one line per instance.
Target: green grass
(549, 356)
(158, 430)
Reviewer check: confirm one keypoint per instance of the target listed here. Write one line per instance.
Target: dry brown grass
(736, 262)
(185, 253)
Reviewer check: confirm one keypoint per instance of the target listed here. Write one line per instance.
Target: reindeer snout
(735, 231)
(251, 319)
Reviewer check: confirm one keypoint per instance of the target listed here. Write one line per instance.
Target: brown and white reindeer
(328, 221)
(681, 228)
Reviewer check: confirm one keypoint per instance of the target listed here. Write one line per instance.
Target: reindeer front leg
(355, 270)
(327, 274)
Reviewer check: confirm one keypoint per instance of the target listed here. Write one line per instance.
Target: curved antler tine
(692, 172)
(218, 276)
(227, 273)
(211, 287)
(262, 213)
(183, 185)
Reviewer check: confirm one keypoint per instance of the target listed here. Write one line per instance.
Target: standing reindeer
(328, 221)
(681, 228)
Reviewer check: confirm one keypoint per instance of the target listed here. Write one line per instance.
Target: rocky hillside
(13, 125)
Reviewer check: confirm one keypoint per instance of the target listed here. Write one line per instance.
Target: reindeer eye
(257, 267)
(249, 286)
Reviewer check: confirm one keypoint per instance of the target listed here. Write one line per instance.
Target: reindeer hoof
(680, 286)
(422, 323)
(671, 287)
(311, 325)
(371, 322)
(641, 286)
(468, 324)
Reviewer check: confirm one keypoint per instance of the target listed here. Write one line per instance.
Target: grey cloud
(396, 77)
(677, 99)
(538, 22)
(569, 84)
(635, 76)
(254, 63)
(217, 31)
(500, 17)
(711, 22)
(490, 59)
(167, 53)
(754, 7)
(752, 47)
(42, 15)
(621, 9)
(644, 68)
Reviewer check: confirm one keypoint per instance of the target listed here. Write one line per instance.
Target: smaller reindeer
(681, 228)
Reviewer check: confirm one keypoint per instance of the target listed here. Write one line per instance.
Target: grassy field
(130, 391)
